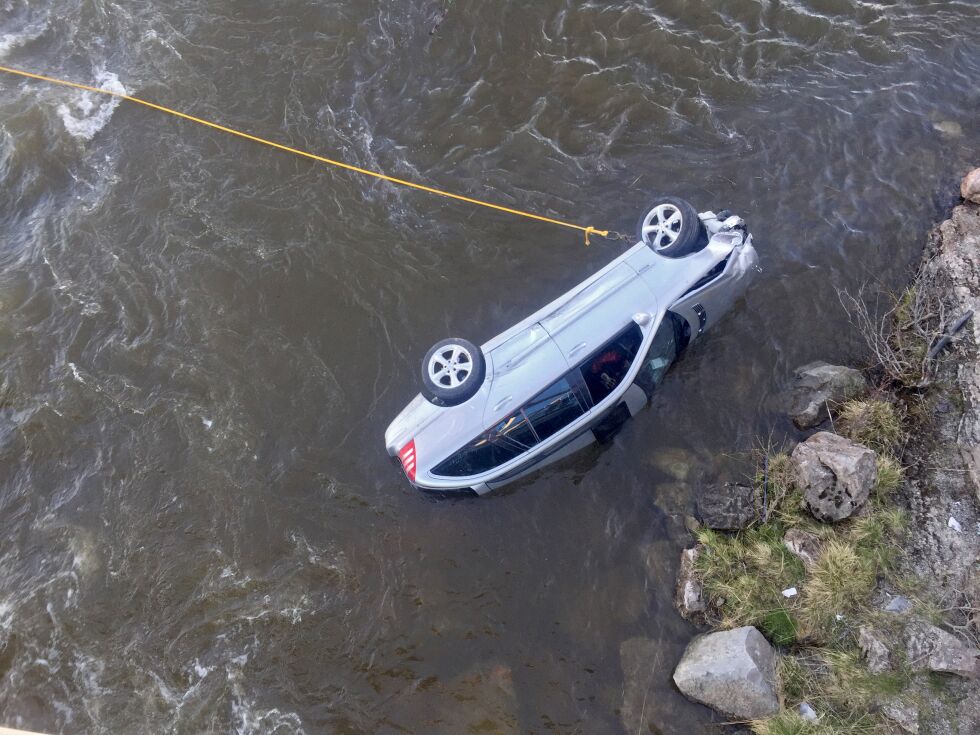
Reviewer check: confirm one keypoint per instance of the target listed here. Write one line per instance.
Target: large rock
(835, 474)
(689, 596)
(970, 186)
(727, 507)
(817, 386)
(874, 649)
(932, 648)
(733, 671)
(903, 713)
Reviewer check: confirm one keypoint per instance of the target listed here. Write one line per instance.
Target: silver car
(574, 371)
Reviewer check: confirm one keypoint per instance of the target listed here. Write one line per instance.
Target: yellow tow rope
(589, 230)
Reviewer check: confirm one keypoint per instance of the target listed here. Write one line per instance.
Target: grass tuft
(890, 474)
(874, 422)
(840, 582)
(775, 483)
(838, 686)
(744, 575)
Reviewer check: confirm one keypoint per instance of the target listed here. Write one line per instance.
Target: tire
(671, 227)
(452, 372)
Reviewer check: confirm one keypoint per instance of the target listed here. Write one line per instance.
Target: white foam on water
(90, 112)
(250, 719)
(11, 41)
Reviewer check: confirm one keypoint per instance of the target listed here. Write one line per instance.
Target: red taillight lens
(407, 455)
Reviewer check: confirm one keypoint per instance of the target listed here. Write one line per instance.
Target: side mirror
(642, 318)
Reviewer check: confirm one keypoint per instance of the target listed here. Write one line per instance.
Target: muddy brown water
(202, 341)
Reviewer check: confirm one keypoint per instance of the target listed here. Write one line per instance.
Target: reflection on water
(203, 340)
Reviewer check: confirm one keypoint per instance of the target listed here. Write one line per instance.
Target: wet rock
(876, 653)
(727, 507)
(902, 713)
(689, 596)
(732, 671)
(692, 524)
(674, 462)
(970, 186)
(949, 128)
(804, 545)
(835, 474)
(933, 649)
(819, 384)
(898, 604)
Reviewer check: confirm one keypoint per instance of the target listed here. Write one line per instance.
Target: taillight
(407, 455)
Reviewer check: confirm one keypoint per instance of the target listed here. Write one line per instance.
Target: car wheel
(672, 228)
(452, 372)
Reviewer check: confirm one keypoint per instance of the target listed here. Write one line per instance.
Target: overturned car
(574, 371)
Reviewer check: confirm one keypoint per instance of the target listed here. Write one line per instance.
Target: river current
(202, 340)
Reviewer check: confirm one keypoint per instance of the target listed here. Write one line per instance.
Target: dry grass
(874, 422)
(900, 331)
(775, 484)
(838, 585)
(839, 688)
(890, 474)
(744, 576)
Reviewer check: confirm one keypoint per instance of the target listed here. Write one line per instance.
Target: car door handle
(502, 403)
(577, 348)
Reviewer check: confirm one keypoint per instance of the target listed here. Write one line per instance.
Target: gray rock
(949, 128)
(807, 712)
(875, 652)
(689, 596)
(898, 604)
(819, 384)
(970, 186)
(732, 671)
(902, 713)
(933, 649)
(727, 507)
(674, 462)
(835, 474)
(804, 545)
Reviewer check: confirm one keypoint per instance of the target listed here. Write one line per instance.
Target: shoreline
(865, 588)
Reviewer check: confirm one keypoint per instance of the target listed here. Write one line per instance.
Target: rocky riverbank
(841, 585)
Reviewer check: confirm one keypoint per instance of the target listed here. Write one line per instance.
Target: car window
(505, 441)
(661, 354)
(605, 369)
(553, 409)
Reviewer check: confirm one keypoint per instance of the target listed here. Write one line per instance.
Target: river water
(202, 340)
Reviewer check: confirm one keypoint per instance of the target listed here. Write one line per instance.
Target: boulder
(835, 474)
(804, 545)
(732, 671)
(727, 507)
(817, 385)
(902, 713)
(689, 596)
(933, 649)
(970, 186)
(876, 653)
